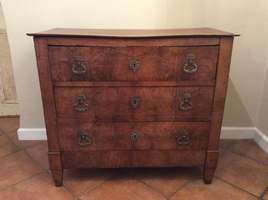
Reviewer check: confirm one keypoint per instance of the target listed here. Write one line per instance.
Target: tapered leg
(57, 177)
(208, 175)
(56, 167)
(210, 166)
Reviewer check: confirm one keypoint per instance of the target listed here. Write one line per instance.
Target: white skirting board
(226, 133)
(32, 134)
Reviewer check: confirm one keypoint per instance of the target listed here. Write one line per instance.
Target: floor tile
(7, 149)
(16, 167)
(39, 154)
(226, 143)
(80, 181)
(250, 149)
(122, 189)
(243, 172)
(168, 180)
(39, 187)
(8, 124)
(217, 190)
(3, 139)
(6, 146)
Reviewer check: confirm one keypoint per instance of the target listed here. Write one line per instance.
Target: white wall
(263, 120)
(262, 123)
(250, 19)
(240, 16)
(2, 21)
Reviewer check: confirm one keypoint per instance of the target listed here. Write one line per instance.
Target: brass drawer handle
(190, 66)
(135, 101)
(134, 136)
(186, 102)
(80, 105)
(79, 66)
(83, 139)
(134, 65)
(183, 137)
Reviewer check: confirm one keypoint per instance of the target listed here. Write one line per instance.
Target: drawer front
(139, 158)
(133, 63)
(134, 103)
(77, 136)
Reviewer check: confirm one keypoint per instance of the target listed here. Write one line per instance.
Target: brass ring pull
(83, 139)
(134, 136)
(186, 102)
(134, 65)
(190, 66)
(183, 137)
(79, 66)
(80, 104)
(135, 101)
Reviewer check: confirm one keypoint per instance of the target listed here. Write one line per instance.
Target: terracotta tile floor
(242, 174)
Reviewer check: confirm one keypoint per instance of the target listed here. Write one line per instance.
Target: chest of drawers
(133, 98)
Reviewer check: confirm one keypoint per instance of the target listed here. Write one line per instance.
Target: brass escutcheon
(190, 65)
(183, 137)
(83, 138)
(80, 105)
(186, 102)
(79, 66)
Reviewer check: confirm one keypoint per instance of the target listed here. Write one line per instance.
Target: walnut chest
(133, 98)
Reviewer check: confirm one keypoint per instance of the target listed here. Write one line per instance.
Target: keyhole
(134, 136)
(134, 65)
(134, 101)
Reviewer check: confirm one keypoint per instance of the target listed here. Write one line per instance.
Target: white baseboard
(238, 132)
(32, 134)
(226, 133)
(261, 139)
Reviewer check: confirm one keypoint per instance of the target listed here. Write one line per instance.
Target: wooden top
(132, 33)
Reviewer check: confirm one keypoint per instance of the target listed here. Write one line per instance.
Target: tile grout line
(235, 186)
(47, 171)
(37, 163)
(11, 141)
(16, 151)
(183, 186)
(22, 149)
(20, 181)
(73, 195)
(1, 131)
(246, 157)
(63, 187)
(68, 191)
(229, 149)
(167, 197)
(151, 188)
(95, 187)
(243, 156)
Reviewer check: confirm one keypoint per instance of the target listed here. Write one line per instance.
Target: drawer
(133, 63)
(134, 103)
(138, 158)
(75, 135)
